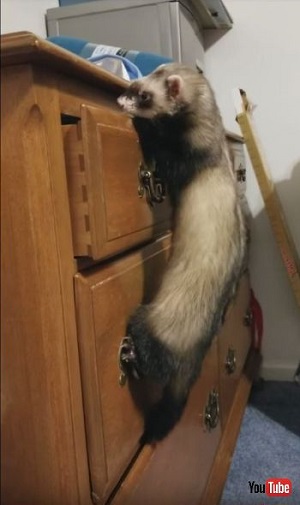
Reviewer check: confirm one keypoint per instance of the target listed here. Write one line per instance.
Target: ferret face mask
(157, 94)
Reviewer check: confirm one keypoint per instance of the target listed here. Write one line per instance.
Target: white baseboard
(278, 372)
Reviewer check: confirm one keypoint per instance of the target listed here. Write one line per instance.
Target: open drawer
(108, 212)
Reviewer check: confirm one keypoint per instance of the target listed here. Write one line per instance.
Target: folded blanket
(118, 65)
(134, 63)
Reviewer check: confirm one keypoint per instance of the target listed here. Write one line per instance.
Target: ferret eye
(144, 96)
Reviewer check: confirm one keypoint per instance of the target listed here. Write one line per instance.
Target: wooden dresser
(81, 247)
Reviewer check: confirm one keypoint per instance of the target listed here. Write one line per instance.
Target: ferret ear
(175, 85)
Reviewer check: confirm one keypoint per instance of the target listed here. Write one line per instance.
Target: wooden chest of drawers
(81, 247)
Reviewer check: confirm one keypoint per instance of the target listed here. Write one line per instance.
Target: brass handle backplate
(151, 185)
(230, 362)
(212, 410)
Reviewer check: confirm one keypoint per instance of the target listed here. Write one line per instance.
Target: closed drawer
(234, 343)
(104, 300)
(102, 161)
(175, 471)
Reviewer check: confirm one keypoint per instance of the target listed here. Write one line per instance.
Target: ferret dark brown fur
(182, 136)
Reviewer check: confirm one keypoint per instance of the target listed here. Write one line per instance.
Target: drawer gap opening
(66, 119)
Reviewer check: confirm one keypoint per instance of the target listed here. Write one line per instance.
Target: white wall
(261, 54)
(29, 15)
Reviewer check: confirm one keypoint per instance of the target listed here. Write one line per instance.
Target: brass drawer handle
(127, 361)
(150, 184)
(241, 173)
(248, 318)
(230, 362)
(212, 410)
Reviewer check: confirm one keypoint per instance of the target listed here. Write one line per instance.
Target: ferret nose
(121, 101)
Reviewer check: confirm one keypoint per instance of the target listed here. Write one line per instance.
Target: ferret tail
(163, 416)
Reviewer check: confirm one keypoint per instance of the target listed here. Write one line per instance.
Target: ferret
(181, 134)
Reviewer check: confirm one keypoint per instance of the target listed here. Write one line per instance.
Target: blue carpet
(268, 446)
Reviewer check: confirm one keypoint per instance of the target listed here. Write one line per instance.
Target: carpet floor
(268, 446)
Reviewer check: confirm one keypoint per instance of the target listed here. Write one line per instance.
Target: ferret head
(165, 91)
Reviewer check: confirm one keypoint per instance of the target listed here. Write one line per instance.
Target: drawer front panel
(103, 160)
(105, 299)
(175, 471)
(234, 344)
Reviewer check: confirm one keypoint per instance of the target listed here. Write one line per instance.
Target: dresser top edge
(27, 48)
